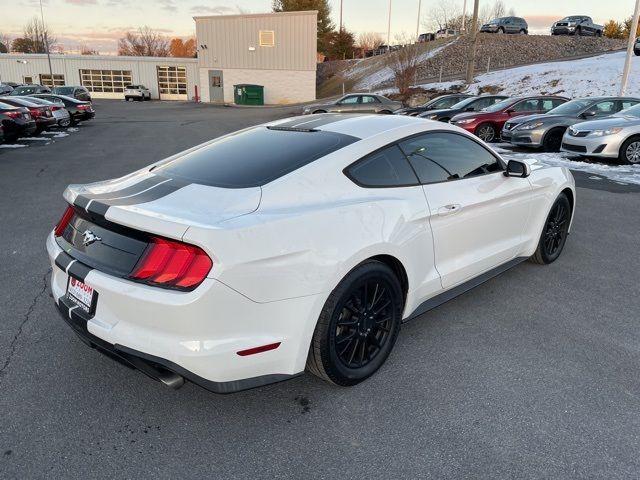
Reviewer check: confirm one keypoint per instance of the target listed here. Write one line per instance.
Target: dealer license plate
(81, 294)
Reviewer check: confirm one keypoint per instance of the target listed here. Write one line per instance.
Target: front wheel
(553, 140)
(630, 152)
(320, 111)
(358, 325)
(554, 233)
(500, 30)
(486, 132)
(523, 32)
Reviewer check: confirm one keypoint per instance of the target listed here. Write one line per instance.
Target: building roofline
(17, 56)
(252, 15)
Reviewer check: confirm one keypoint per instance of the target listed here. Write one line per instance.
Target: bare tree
(370, 40)
(36, 32)
(86, 50)
(499, 10)
(404, 62)
(512, 12)
(146, 42)
(441, 15)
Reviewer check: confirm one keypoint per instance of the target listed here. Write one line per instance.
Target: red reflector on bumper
(263, 348)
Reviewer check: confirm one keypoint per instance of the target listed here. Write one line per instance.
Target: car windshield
(574, 106)
(64, 90)
(571, 19)
(629, 112)
(496, 107)
(463, 103)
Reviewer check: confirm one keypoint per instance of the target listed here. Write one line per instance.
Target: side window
(369, 99)
(385, 168)
(349, 100)
(605, 108)
(556, 102)
(483, 103)
(526, 106)
(442, 156)
(448, 102)
(624, 104)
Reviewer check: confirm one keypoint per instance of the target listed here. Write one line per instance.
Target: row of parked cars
(607, 127)
(31, 109)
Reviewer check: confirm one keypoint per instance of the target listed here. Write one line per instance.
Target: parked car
(5, 89)
(79, 111)
(488, 123)
(75, 91)
(355, 103)
(136, 92)
(614, 137)
(426, 37)
(577, 25)
(16, 121)
(29, 90)
(443, 101)
(60, 113)
(446, 33)
(471, 104)
(506, 25)
(546, 130)
(317, 242)
(42, 114)
(636, 47)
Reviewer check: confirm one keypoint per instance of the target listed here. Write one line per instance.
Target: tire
(579, 31)
(385, 112)
(65, 123)
(486, 132)
(636, 52)
(500, 30)
(344, 334)
(553, 140)
(126, 99)
(523, 32)
(72, 120)
(554, 232)
(630, 151)
(598, 34)
(320, 111)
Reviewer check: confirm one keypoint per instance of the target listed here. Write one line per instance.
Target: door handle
(449, 209)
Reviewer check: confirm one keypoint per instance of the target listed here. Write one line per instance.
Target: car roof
(355, 125)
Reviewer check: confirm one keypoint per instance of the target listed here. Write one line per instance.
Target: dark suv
(506, 25)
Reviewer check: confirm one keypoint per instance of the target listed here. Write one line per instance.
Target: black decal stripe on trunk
(314, 122)
(130, 190)
(63, 260)
(72, 266)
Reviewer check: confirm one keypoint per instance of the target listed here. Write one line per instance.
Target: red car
(488, 122)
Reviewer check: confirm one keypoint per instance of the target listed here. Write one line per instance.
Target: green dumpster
(247, 94)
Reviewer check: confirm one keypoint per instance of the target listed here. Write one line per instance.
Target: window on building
(58, 80)
(267, 38)
(172, 80)
(106, 81)
(28, 80)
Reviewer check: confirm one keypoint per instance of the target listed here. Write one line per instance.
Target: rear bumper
(82, 116)
(195, 335)
(46, 122)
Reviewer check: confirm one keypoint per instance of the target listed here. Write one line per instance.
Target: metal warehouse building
(168, 78)
(275, 50)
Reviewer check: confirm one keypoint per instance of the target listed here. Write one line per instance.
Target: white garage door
(172, 83)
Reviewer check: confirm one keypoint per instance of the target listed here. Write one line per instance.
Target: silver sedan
(355, 103)
(615, 137)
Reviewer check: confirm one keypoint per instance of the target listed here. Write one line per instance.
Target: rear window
(131, 87)
(254, 157)
(63, 90)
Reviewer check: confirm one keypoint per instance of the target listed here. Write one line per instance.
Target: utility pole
(46, 45)
(471, 54)
(632, 39)
(340, 15)
(464, 15)
(418, 23)
(389, 29)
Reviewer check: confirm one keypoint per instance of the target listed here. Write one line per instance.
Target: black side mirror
(588, 113)
(517, 169)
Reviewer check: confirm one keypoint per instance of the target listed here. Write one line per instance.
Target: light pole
(46, 45)
(340, 15)
(471, 54)
(389, 29)
(464, 15)
(418, 23)
(632, 39)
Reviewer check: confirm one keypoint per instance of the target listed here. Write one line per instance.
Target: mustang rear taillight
(84, 107)
(35, 112)
(13, 114)
(172, 264)
(64, 221)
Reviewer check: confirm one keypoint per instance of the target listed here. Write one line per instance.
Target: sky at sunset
(99, 23)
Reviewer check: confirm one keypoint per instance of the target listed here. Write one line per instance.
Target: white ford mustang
(305, 242)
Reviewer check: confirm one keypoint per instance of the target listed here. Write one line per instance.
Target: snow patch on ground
(622, 174)
(594, 76)
(12, 145)
(380, 75)
(34, 139)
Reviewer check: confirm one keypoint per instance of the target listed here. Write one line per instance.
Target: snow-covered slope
(598, 75)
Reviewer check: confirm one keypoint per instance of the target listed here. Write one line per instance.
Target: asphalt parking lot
(534, 374)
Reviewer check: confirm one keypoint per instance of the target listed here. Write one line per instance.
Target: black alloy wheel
(358, 325)
(555, 232)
